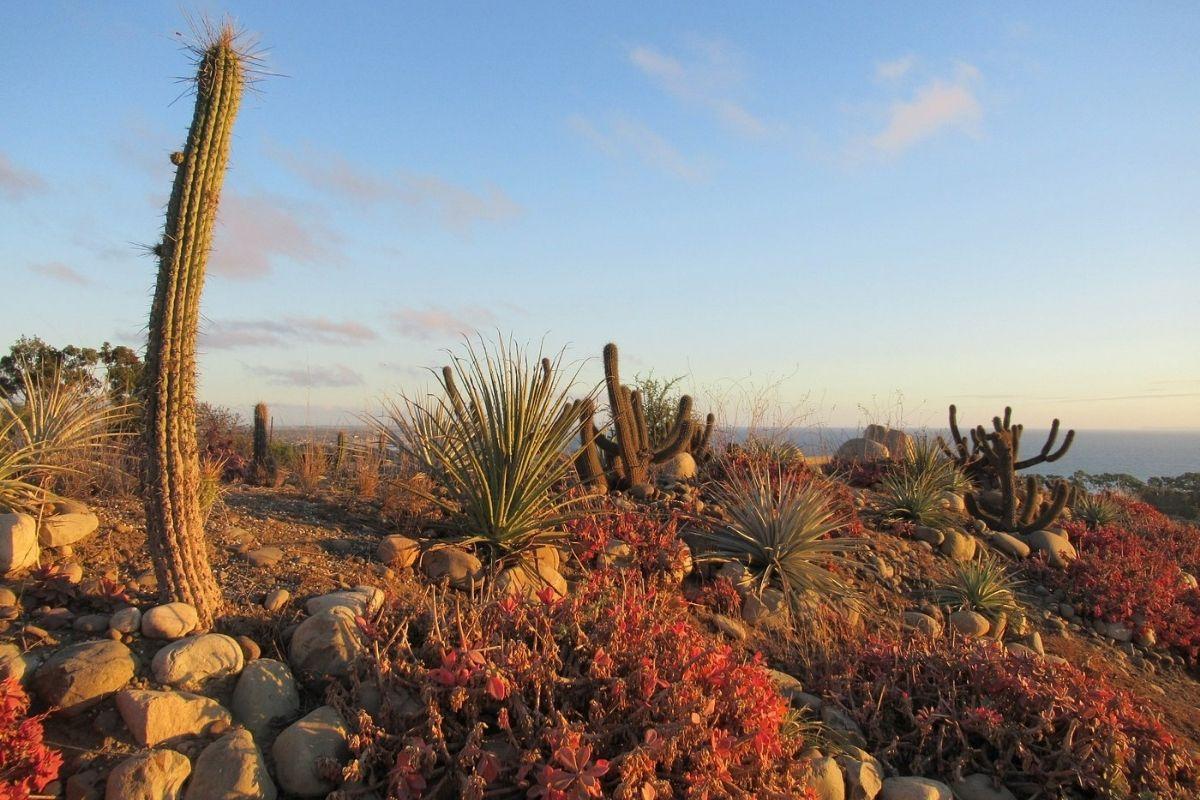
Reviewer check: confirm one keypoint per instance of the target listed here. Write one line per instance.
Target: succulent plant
(263, 469)
(171, 467)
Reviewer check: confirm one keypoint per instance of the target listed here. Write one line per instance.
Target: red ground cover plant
(611, 692)
(27, 765)
(652, 536)
(1132, 572)
(946, 707)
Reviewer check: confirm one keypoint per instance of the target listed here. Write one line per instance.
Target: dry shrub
(311, 464)
(403, 500)
(953, 705)
(612, 692)
(366, 469)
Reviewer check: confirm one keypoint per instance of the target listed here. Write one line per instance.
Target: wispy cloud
(434, 323)
(321, 377)
(455, 207)
(941, 104)
(708, 79)
(895, 70)
(17, 183)
(627, 137)
(254, 232)
(61, 272)
(233, 333)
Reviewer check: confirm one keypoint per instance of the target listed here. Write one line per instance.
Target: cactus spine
(171, 467)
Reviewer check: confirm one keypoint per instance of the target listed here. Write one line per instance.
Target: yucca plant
(910, 496)
(780, 529)
(493, 441)
(1096, 510)
(982, 585)
(926, 458)
(50, 429)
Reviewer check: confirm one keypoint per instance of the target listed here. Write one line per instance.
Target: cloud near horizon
(229, 334)
(255, 231)
(708, 80)
(61, 272)
(335, 376)
(627, 137)
(456, 207)
(938, 105)
(434, 323)
(17, 183)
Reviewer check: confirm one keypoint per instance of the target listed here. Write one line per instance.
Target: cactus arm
(1052, 512)
(702, 437)
(1046, 456)
(976, 511)
(639, 419)
(677, 444)
(629, 464)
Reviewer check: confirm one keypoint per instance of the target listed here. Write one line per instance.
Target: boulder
(18, 542)
(265, 557)
(765, 607)
(862, 450)
(190, 662)
(789, 686)
(319, 735)
(126, 620)
(16, 664)
(864, 780)
(898, 443)
(925, 533)
(362, 600)
(157, 775)
(980, 787)
(826, 779)
(958, 546)
(915, 789)
(924, 623)
(530, 579)
(62, 530)
(231, 768)
(970, 623)
(162, 717)
(326, 645)
(680, 467)
(454, 564)
(1057, 547)
(276, 599)
(169, 621)
(79, 676)
(91, 623)
(842, 725)
(266, 694)
(1009, 545)
(398, 552)
(953, 501)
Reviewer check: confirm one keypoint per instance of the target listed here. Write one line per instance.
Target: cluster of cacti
(171, 469)
(994, 460)
(629, 454)
(263, 470)
(972, 462)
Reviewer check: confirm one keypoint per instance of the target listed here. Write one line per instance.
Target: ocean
(1142, 454)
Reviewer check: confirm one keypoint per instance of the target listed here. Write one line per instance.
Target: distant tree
(115, 368)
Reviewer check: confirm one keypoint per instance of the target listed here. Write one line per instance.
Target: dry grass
(365, 469)
(211, 488)
(311, 464)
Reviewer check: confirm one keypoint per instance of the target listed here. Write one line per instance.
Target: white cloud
(290, 331)
(895, 70)
(328, 377)
(434, 323)
(456, 207)
(709, 80)
(254, 232)
(628, 137)
(17, 183)
(939, 105)
(61, 272)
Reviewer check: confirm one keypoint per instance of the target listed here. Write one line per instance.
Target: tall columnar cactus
(1017, 514)
(587, 457)
(171, 466)
(339, 453)
(631, 454)
(263, 470)
(972, 461)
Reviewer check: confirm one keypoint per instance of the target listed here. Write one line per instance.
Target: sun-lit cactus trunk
(262, 464)
(172, 469)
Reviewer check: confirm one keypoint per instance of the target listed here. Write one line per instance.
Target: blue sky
(852, 210)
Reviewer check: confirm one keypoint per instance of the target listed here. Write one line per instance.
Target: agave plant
(780, 529)
(50, 428)
(494, 443)
(908, 496)
(1096, 510)
(982, 585)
